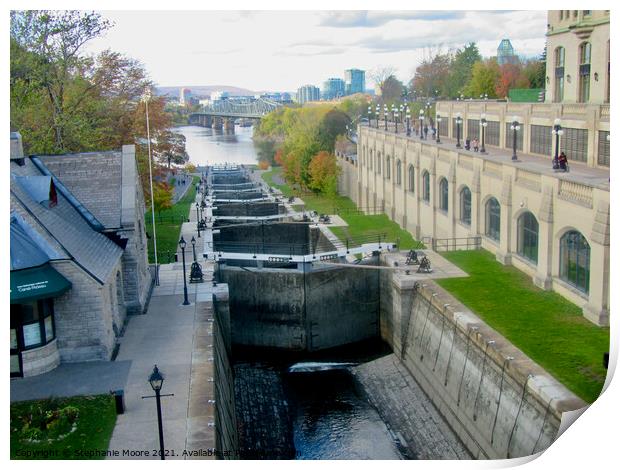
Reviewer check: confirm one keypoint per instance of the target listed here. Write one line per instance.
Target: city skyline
(283, 50)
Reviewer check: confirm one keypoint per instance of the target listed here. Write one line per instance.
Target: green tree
(51, 42)
(162, 197)
(461, 69)
(484, 78)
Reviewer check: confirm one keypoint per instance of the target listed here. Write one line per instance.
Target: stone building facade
(578, 56)
(522, 214)
(78, 256)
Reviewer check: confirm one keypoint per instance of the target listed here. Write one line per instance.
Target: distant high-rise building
(219, 95)
(184, 96)
(333, 88)
(506, 53)
(308, 93)
(355, 81)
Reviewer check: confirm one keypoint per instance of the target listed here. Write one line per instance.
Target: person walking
(425, 132)
(475, 145)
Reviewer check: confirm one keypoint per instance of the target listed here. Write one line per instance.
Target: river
(207, 146)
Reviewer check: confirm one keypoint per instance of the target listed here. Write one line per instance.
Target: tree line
(65, 101)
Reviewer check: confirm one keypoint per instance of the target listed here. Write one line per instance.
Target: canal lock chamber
(391, 359)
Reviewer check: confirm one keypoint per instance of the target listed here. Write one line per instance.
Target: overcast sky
(282, 50)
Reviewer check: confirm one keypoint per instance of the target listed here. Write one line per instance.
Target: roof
(63, 227)
(94, 178)
(25, 252)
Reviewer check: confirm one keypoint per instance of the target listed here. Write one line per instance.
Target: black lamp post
(459, 121)
(195, 274)
(198, 220)
(394, 112)
(514, 127)
(438, 122)
(484, 124)
(408, 122)
(421, 124)
(183, 244)
(385, 116)
(156, 379)
(378, 113)
(369, 115)
(557, 132)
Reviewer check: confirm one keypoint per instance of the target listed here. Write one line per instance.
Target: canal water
(329, 416)
(208, 146)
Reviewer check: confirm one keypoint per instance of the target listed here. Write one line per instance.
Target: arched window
(558, 90)
(370, 159)
(527, 237)
(411, 178)
(466, 206)
(585, 54)
(388, 168)
(492, 210)
(443, 194)
(399, 175)
(426, 186)
(575, 260)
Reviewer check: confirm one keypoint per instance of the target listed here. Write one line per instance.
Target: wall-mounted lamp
(548, 80)
(596, 76)
(568, 78)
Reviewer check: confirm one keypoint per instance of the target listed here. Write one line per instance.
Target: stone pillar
(503, 253)
(476, 228)
(217, 123)
(597, 308)
(209, 121)
(229, 125)
(542, 278)
(453, 197)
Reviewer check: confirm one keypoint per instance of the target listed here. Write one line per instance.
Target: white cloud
(281, 50)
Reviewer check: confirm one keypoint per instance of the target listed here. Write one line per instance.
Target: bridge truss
(254, 108)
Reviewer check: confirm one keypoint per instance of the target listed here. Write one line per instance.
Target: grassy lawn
(545, 326)
(168, 224)
(96, 417)
(360, 225)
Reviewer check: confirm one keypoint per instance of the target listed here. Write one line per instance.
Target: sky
(283, 50)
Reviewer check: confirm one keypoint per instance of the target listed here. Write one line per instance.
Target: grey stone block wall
(87, 316)
(40, 360)
(499, 402)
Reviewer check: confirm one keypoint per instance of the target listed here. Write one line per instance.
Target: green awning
(37, 283)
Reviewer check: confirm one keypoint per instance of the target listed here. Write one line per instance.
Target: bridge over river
(223, 113)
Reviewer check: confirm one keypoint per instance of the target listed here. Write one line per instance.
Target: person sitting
(563, 161)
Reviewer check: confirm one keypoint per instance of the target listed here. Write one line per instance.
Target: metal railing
(453, 244)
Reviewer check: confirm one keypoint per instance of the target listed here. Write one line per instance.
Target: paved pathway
(72, 379)
(580, 173)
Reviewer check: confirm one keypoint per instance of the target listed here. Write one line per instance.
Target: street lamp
(198, 219)
(514, 127)
(459, 121)
(146, 97)
(183, 244)
(438, 119)
(408, 122)
(378, 113)
(421, 124)
(557, 132)
(484, 124)
(156, 379)
(195, 274)
(385, 116)
(394, 111)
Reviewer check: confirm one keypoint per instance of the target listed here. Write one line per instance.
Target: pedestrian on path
(563, 161)
(475, 145)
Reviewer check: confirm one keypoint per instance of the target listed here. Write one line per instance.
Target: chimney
(17, 150)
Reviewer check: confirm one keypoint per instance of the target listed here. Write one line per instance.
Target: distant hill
(205, 91)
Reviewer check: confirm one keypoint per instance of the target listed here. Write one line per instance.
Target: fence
(453, 244)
